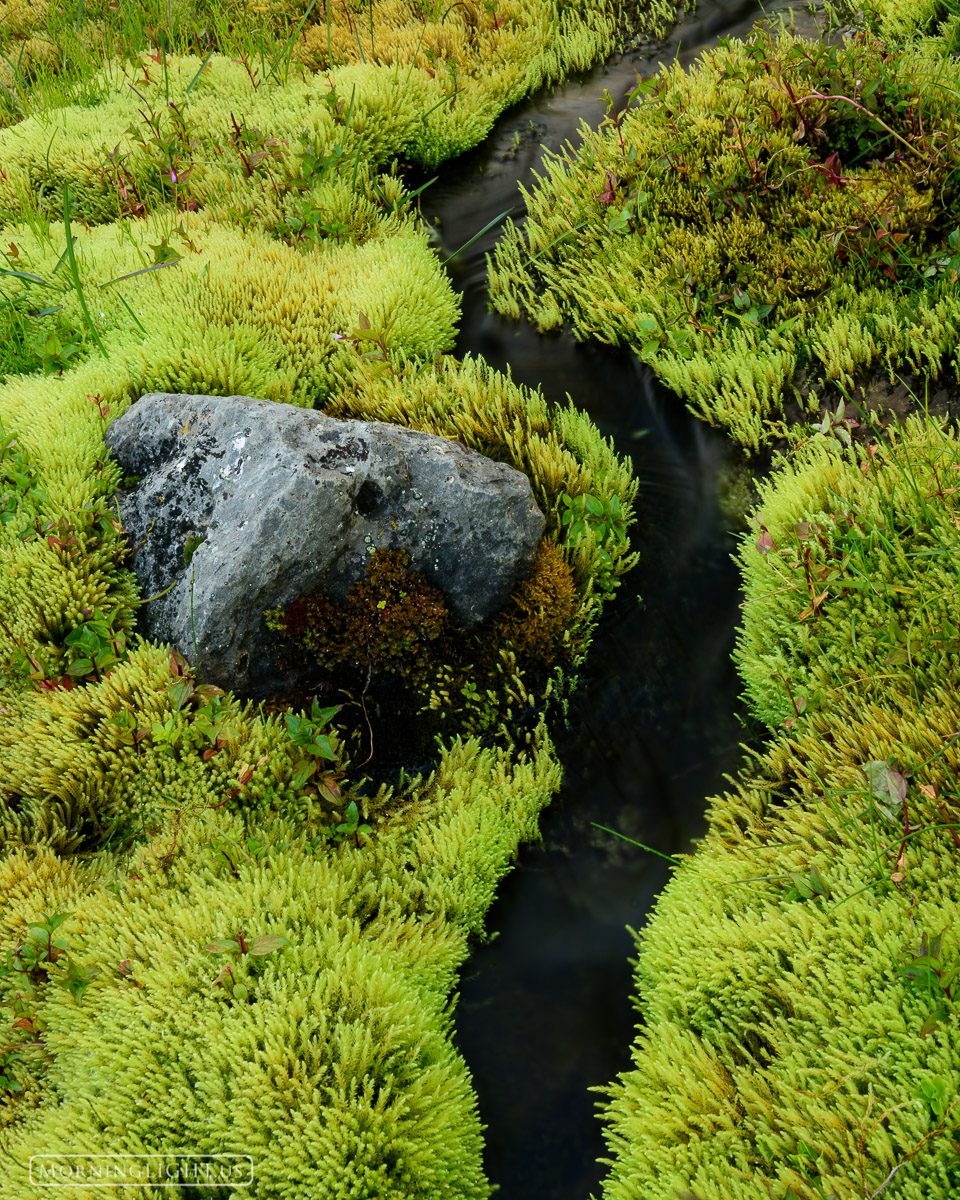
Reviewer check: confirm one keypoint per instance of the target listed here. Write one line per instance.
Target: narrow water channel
(545, 1012)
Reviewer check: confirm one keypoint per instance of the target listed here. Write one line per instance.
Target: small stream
(545, 1009)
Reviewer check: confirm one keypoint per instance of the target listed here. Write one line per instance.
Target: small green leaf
(302, 773)
(83, 666)
(267, 944)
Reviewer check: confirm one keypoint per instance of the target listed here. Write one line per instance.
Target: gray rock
(247, 504)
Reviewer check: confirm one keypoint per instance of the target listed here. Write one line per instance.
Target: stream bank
(544, 1012)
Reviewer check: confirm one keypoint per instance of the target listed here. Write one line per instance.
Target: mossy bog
(234, 926)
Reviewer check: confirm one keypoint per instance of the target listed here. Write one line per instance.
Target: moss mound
(335, 1073)
(437, 75)
(783, 216)
(799, 1022)
(216, 889)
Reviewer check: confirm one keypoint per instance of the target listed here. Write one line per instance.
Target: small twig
(860, 108)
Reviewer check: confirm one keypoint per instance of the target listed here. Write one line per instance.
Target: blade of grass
(356, 164)
(296, 33)
(25, 275)
(406, 199)
(489, 225)
(650, 850)
(412, 60)
(50, 146)
(196, 77)
(566, 233)
(440, 103)
(422, 188)
(132, 314)
(75, 273)
(60, 261)
(346, 124)
(170, 262)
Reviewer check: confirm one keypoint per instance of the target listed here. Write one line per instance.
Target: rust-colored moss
(541, 610)
(383, 625)
(392, 648)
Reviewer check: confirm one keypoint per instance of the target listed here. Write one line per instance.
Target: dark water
(545, 1011)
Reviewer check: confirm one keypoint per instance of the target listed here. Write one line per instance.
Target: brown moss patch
(392, 648)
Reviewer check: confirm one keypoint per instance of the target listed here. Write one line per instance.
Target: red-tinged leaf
(267, 944)
(303, 772)
(609, 193)
(178, 664)
(330, 789)
(51, 685)
(181, 691)
(766, 543)
(222, 946)
(888, 786)
(208, 754)
(931, 1024)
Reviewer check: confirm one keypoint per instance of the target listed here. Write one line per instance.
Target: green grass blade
(170, 262)
(196, 78)
(293, 36)
(489, 225)
(75, 273)
(25, 275)
(650, 850)
(132, 314)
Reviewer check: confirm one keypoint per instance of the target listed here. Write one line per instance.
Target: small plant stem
(860, 108)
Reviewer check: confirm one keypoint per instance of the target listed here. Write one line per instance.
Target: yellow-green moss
(340, 1080)
(255, 221)
(771, 1023)
(716, 233)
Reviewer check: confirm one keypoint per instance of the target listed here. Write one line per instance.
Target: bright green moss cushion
(772, 221)
(795, 1039)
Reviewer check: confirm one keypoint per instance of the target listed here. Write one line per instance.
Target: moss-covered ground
(222, 930)
(773, 224)
(797, 980)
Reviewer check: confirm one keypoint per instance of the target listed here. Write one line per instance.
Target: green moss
(771, 1023)
(736, 229)
(340, 1079)
(851, 580)
(228, 228)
